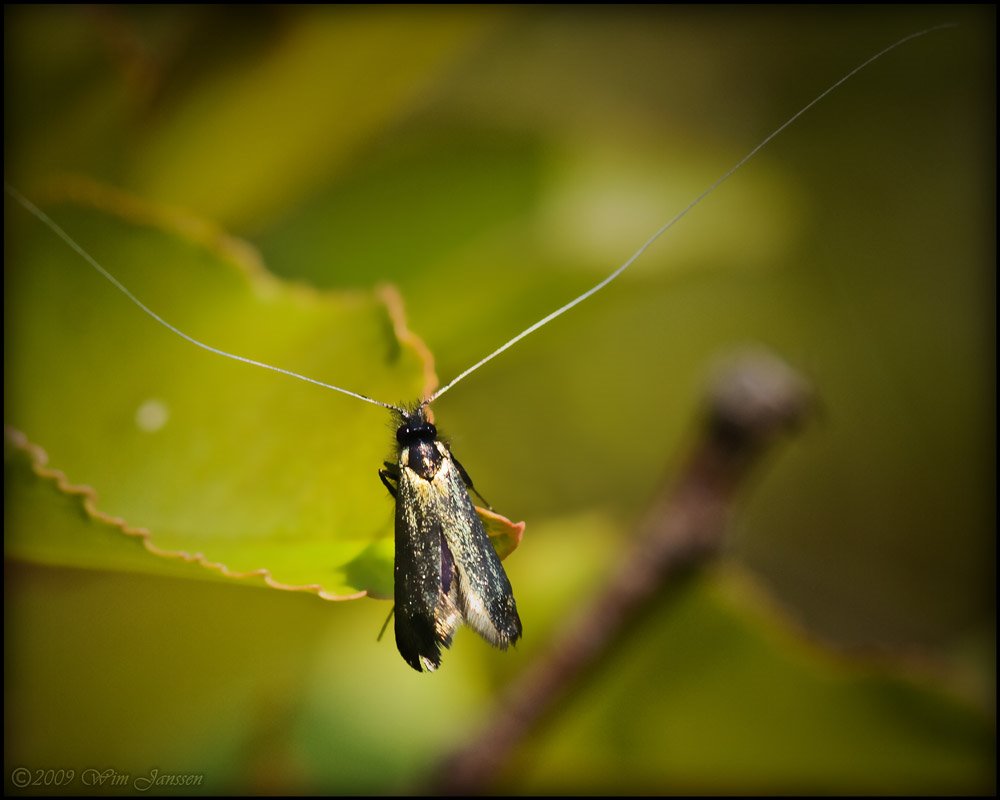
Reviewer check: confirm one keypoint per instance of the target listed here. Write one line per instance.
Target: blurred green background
(492, 163)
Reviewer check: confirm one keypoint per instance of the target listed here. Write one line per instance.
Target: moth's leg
(386, 623)
(390, 473)
(468, 482)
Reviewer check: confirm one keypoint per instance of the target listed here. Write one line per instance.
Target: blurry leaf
(219, 462)
(234, 114)
(717, 693)
(504, 534)
(254, 690)
(442, 192)
(247, 141)
(128, 673)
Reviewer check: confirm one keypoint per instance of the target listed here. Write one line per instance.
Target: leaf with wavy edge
(244, 473)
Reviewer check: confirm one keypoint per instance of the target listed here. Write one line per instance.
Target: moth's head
(414, 427)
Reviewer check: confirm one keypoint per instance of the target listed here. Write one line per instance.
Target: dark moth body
(446, 570)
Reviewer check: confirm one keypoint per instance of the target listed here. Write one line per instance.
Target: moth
(446, 572)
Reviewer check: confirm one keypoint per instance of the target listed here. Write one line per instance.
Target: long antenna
(41, 215)
(683, 213)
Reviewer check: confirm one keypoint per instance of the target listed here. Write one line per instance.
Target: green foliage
(492, 164)
(215, 459)
(718, 694)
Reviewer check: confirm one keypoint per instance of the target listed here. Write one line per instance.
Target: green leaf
(195, 456)
(302, 92)
(238, 116)
(719, 692)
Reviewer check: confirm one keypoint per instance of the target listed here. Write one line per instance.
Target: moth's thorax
(424, 457)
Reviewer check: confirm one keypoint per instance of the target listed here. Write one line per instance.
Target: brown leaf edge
(245, 258)
(88, 498)
(393, 300)
(504, 534)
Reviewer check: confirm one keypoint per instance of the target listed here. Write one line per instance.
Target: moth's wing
(427, 614)
(485, 596)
